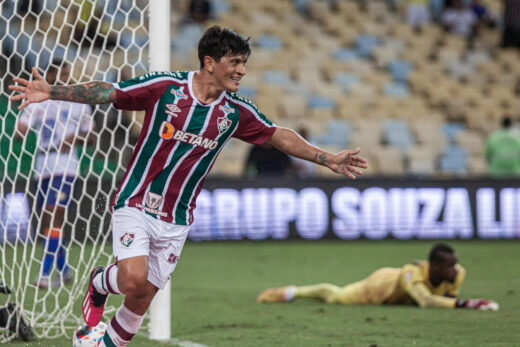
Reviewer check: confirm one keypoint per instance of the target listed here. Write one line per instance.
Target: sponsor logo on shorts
(153, 200)
(172, 258)
(127, 239)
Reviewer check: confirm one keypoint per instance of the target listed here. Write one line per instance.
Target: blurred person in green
(503, 151)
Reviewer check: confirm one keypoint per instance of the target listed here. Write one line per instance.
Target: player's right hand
(478, 304)
(33, 91)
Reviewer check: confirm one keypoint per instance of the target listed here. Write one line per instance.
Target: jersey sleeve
(413, 283)
(141, 92)
(253, 126)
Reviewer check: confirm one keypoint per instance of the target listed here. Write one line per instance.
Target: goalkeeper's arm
(425, 298)
(39, 90)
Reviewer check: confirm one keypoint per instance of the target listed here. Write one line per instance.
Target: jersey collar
(190, 88)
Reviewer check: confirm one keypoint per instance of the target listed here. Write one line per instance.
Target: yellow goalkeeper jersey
(400, 286)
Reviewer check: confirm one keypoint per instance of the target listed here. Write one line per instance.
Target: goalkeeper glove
(477, 304)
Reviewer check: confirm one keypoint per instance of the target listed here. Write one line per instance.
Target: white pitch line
(179, 342)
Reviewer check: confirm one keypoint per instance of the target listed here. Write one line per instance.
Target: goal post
(105, 40)
(159, 33)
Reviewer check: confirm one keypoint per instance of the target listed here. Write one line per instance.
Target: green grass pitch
(215, 286)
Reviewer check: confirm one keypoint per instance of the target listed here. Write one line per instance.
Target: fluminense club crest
(127, 239)
(224, 122)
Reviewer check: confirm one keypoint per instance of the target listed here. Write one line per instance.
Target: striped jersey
(54, 121)
(179, 141)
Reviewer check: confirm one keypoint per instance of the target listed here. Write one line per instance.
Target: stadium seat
(397, 133)
(269, 42)
(293, 106)
(220, 7)
(421, 160)
(346, 54)
(337, 134)
(247, 92)
(400, 70)
(396, 90)
(454, 159)
(319, 101)
(473, 142)
(346, 80)
(450, 129)
(390, 160)
(276, 77)
(187, 38)
(366, 44)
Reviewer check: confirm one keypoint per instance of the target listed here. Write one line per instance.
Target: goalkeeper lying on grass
(433, 283)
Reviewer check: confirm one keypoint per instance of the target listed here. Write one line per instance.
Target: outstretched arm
(424, 298)
(346, 162)
(39, 90)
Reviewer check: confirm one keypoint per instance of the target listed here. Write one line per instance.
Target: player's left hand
(347, 163)
(33, 91)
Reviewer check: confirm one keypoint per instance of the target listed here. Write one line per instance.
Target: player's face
(229, 71)
(446, 270)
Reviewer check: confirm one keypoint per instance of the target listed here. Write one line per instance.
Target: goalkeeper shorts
(135, 233)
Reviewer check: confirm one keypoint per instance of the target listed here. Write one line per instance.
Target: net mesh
(100, 40)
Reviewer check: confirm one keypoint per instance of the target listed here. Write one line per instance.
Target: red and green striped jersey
(179, 141)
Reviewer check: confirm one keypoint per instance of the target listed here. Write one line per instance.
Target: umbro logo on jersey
(168, 132)
(172, 109)
(179, 94)
(153, 200)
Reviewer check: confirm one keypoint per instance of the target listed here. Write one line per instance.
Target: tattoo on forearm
(323, 158)
(315, 157)
(87, 93)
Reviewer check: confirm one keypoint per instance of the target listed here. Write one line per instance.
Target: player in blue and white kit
(59, 125)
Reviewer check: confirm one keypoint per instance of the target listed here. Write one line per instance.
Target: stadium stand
(352, 72)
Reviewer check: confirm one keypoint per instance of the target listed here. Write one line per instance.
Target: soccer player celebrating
(189, 118)
(433, 283)
(59, 126)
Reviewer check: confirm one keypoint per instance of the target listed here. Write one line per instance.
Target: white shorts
(135, 233)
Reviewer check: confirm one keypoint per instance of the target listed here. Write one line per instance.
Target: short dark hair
(439, 252)
(218, 42)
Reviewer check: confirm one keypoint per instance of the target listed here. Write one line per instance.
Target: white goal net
(99, 40)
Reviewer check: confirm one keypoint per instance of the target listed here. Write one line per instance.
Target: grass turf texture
(215, 287)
